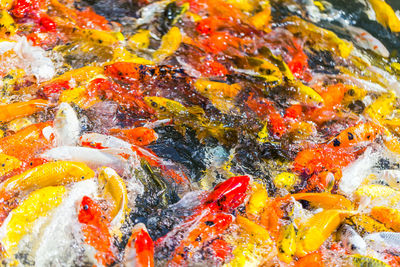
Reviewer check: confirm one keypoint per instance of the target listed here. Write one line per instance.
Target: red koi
(212, 68)
(220, 249)
(228, 195)
(143, 246)
(23, 8)
(207, 228)
(293, 112)
(225, 197)
(55, 88)
(95, 225)
(298, 65)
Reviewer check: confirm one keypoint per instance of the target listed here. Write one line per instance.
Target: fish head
(88, 210)
(229, 194)
(143, 136)
(165, 105)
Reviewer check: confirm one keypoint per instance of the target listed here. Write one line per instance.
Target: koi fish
(100, 141)
(388, 216)
(207, 228)
(21, 109)
(95, 228)
(67, 126)
(317, 229)
(287, 243)
(227, 195)
(94, 158)
(352, 241)
(140, 248)
(29, 141)
(48, 174)
(114, 190)
(21, 219)
(140, 136)
(384, 241)
(356, 135)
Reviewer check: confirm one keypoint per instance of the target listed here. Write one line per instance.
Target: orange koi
(140, 136)
(212, 68)
(271, 217)
(321, 158)
(265, 109)
(332, 96)
(323, 181)
(88, 19)
(21, 109)
(219, 41)
(313, 259)
(209, 25)
(27, 142)
(207, 228)
(293, 112)
(298, 64)
(105, 89)
(95, 227)
(361, 133)
(127, 72)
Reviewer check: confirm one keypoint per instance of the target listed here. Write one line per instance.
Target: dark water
(394, 3)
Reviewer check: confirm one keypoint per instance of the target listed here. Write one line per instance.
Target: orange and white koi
(140, 248)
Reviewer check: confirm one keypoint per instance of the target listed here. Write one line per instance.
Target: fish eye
(85, 207)
(353, 247)
(154, 104)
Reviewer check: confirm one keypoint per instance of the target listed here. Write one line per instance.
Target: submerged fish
(384, 241)
(352, 241)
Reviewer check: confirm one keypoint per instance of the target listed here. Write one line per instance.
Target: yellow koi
(170, 42)
(287, 243)
(37, 204)
(8, 164)
(317, 229)
(48, 174)
(114, 190)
